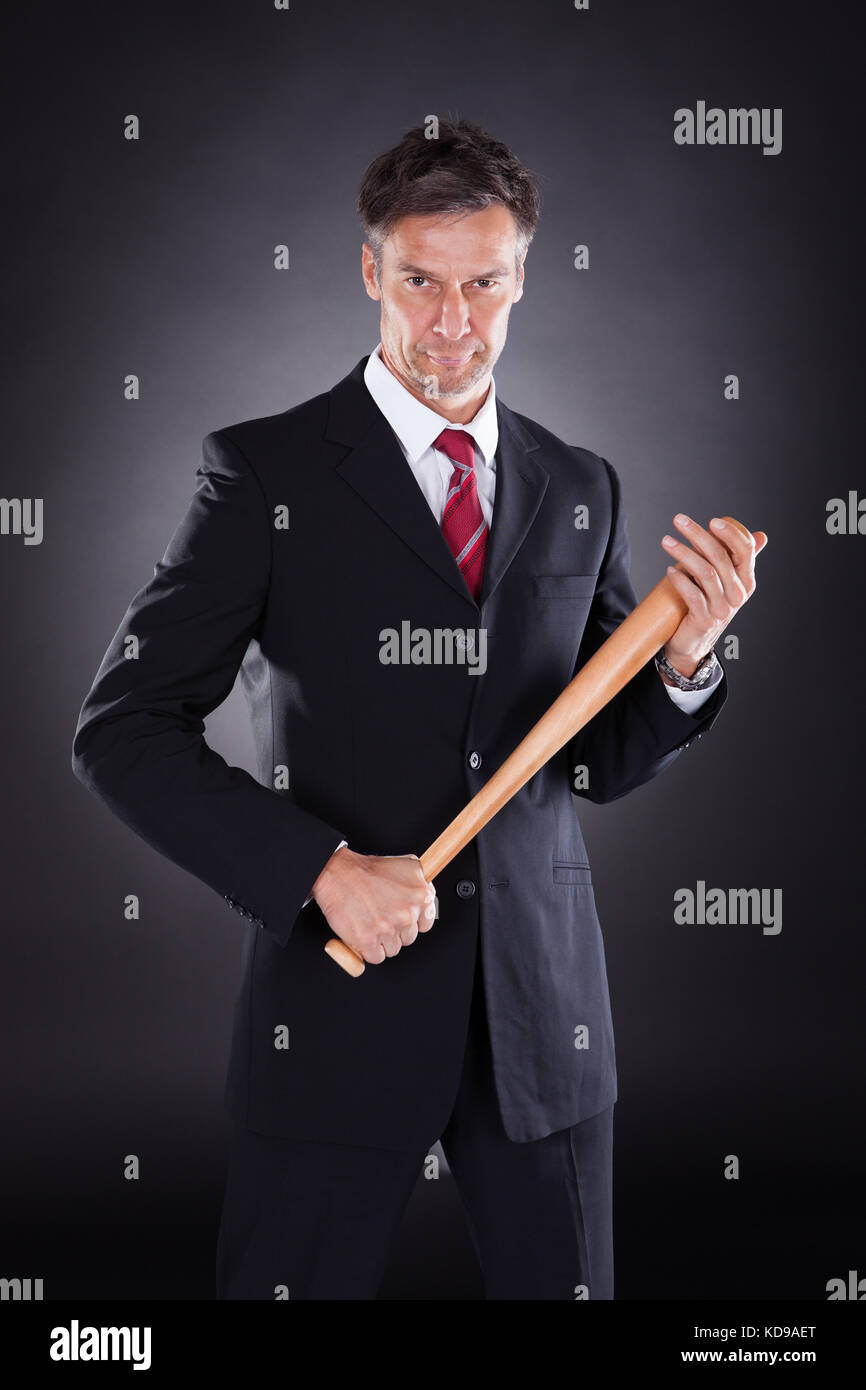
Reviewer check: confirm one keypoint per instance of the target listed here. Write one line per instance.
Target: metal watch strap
(696, 680)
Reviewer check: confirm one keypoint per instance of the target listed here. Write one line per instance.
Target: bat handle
(345, 957)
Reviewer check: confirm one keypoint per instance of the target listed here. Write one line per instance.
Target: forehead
(444, 242)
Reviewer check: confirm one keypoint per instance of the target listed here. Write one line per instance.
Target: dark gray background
(155, 257)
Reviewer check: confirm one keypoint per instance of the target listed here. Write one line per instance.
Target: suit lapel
(521, 481)
(376, 469)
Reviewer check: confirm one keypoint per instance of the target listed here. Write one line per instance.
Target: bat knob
(345, 957)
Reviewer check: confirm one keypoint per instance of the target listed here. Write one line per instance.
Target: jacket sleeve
(139, 742)
(640, 731)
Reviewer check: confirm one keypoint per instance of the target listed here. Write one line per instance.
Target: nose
(453, 321)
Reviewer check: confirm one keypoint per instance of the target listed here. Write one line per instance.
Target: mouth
(448, 361)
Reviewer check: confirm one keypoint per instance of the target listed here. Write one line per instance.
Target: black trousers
(306, 1220)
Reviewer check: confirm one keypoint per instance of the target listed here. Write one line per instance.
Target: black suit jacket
(381, 755)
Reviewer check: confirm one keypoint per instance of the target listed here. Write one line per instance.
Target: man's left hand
(716, 579)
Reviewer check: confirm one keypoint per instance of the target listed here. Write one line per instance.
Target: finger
(743, 548)
(409, 934)
(695, 598)
(427, 917)
(421, 899)
(374, 955)
(701, 573)
(391, 945)
(716, 553)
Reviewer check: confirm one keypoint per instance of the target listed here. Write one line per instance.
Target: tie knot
(457, 444)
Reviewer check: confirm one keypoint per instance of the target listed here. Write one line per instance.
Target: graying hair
(463, 170)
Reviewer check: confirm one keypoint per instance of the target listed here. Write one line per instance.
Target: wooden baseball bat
(652, 623)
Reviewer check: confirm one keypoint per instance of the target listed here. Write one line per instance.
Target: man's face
(447, 286)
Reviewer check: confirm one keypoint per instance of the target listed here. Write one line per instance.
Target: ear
(518, 293)
(368, 271)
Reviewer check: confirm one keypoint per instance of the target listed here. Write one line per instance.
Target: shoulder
(263, 434)
(263, 447)
(568, 462)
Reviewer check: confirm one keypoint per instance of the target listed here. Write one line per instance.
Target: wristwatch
(696, 680)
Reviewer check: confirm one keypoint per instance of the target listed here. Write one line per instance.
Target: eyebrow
(404, 267)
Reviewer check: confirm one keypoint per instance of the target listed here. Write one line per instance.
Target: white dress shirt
(416, 426)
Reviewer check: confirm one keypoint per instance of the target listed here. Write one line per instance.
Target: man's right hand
(375, 903)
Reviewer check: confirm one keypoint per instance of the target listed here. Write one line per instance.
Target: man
(407, 573)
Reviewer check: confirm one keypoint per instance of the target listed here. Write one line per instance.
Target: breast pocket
(571, 873)
(564, 586)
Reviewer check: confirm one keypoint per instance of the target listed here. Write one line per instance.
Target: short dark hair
(462, 170)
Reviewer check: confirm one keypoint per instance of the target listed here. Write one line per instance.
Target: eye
(482, 280)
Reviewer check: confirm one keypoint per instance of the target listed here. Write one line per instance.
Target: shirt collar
(415, 424)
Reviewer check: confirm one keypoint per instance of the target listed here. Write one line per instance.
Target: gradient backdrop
(155, 257)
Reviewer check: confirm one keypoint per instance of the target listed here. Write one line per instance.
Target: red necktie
(463, 524)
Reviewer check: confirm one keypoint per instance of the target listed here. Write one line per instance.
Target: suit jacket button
(465, 888)
(474, 760)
